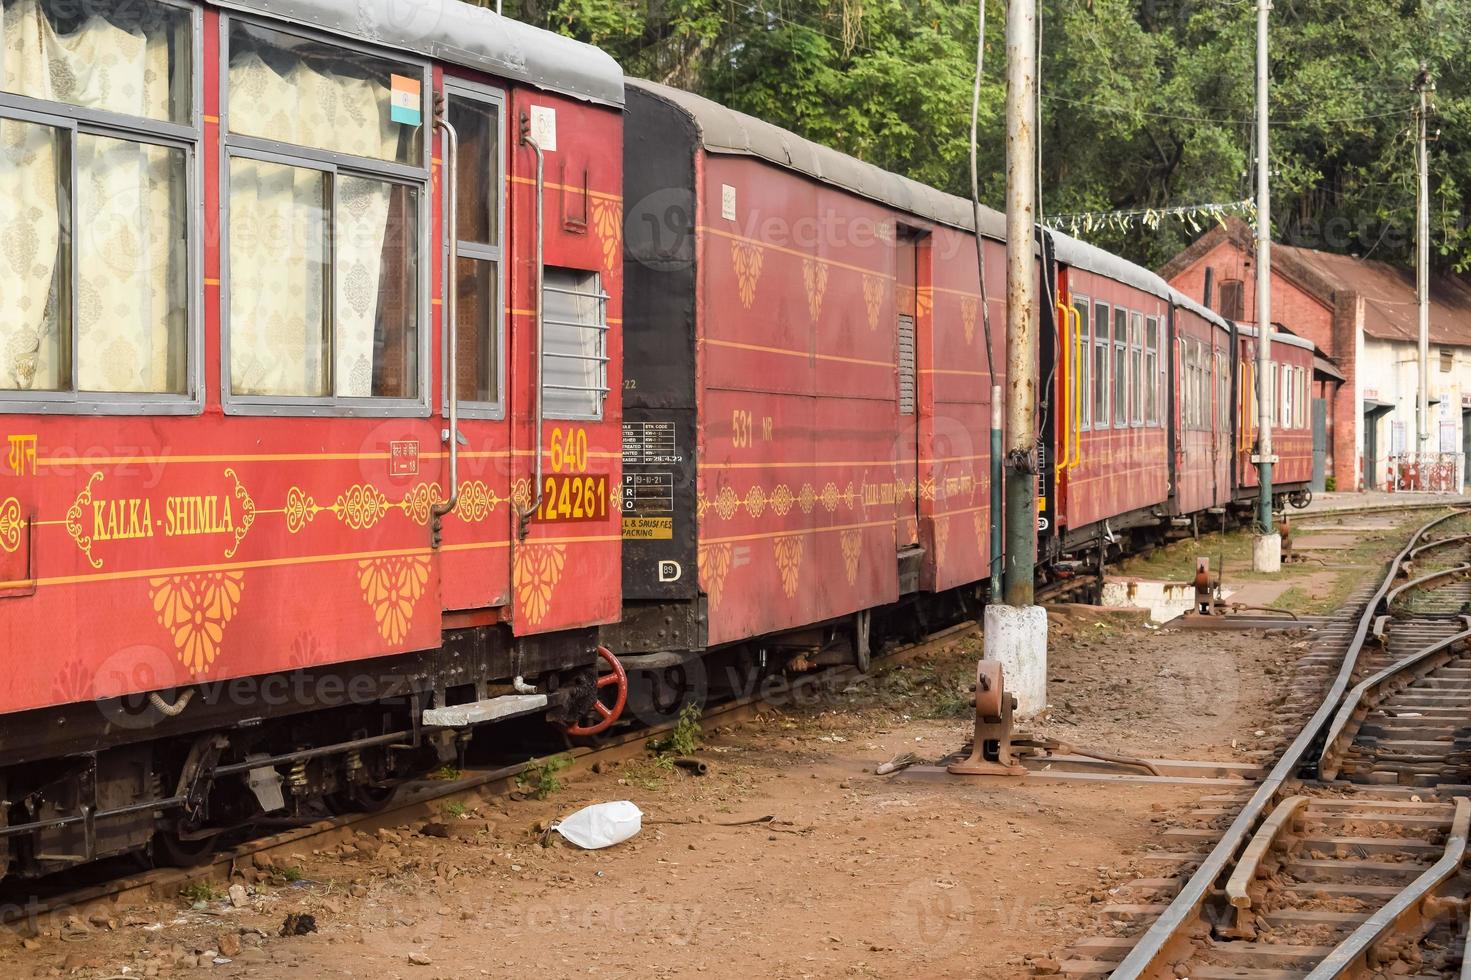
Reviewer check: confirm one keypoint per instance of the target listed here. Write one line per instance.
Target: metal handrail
(451, 318)
(535, 503)
(1153, 947)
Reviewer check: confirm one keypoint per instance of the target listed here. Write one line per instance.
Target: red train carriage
(1201, 409)
(1110, 440)
(243, 564)
(808, 393)
(1290, 388)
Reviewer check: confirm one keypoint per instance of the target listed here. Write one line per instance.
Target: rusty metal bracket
(990, 752)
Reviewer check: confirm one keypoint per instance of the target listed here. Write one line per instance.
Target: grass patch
(200, 891)
(446, 773)
(540, 777)
(455, 809)
(683, 738)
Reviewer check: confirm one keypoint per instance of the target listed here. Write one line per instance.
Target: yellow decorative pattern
(195, 609)
(477, 501)
(924, 301)
(74, 525)
(755, 501)
(747, 261)
(781, 500)
(727, 502)
(360, 506)
(392, 587)
(538, 569)
(521, 494)
(607, 222)
(873, 298)
(419, 502)
(968, 317)
(300, 509)
(942, 538)
(814, 276)
(806, 498)
(788, 552)
(830, 497)
(927, 489)
(702, 505)
(11, 524)
(247, 514)
(852, 547)
(714, 563)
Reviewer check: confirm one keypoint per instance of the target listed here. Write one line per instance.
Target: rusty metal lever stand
(990, 753)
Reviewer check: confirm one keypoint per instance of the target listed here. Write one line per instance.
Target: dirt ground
(857, 875)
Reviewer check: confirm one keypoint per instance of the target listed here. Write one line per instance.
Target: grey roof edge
(727, 131)
(1091, 258)
(1278, 337)
(460, 34)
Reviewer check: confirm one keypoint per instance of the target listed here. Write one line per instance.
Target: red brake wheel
(604, 715)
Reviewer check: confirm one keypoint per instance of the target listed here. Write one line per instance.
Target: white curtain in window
(307, 107)
(130, 256)
(278, 274)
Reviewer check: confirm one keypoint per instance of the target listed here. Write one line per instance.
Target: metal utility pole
(1021, 302)
(1267, 553)
(1424, 85)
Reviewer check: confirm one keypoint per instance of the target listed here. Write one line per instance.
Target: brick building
(1363, 317)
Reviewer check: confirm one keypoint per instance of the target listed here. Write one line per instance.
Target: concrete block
(1018, 639)
(1266, 553)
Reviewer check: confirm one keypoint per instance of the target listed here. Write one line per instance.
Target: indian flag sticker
(408, 100)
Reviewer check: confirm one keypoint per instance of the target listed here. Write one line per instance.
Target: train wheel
(602, 716)
(171, 850)
(362, 799)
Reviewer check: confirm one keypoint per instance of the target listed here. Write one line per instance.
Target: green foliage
(539, 779)
(1145, 104)
(683, 738)
(200, 891)
(455, 809)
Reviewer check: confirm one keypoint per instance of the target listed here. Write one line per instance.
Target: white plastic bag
(602, 824)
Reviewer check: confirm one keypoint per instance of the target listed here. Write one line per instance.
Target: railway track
(34, 902)
(1348, 859)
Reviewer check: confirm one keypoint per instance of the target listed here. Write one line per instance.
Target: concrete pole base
(1017, 637)
(1266, 553)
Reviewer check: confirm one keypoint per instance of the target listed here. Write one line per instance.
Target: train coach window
(132, 57)
(293, 89)
(477, 120)
(1151, 370)
(326, 188)
(1100, 365)
(1140, 383)
(1120, 367)
(575, 362)
(97, 132)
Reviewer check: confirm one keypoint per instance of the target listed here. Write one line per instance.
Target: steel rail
(1440, 543)
(1339, 734)
(1349, 957)
(1423, 580)
(1151, 954)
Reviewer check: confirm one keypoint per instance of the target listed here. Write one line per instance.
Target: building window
(1232, 304)
(575, 365)
(1447, 360)
(326, 191)
(97, 139)
(1100, 365)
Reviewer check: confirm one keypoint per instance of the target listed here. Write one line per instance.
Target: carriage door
(906, 460)
(483, 514)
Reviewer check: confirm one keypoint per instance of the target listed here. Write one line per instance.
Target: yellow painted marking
(795, 353)
(803, 530)
(732, 236)
(957, 371)
(549, 185)
(211, 282)
(212, 120)
(817, 464)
